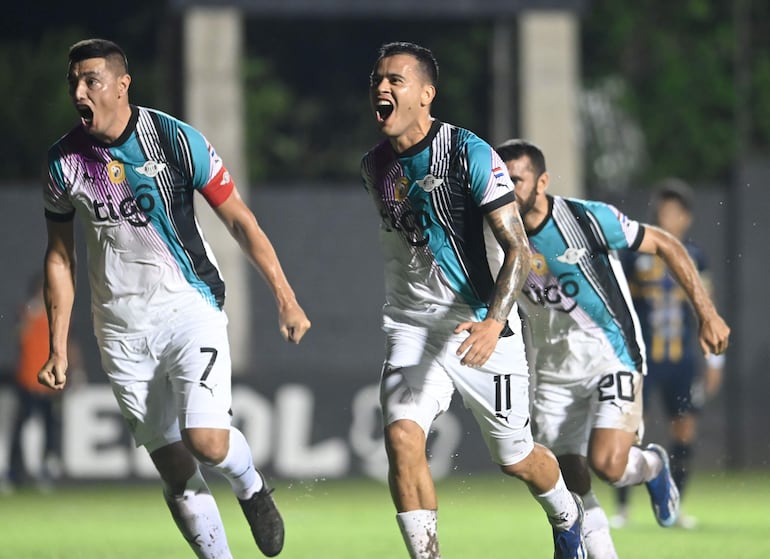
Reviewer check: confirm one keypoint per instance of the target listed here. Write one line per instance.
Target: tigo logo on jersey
(133, 209)
(150, 169)
(116, 172)
(429, 183)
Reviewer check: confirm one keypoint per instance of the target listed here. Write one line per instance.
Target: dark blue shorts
(672, 383)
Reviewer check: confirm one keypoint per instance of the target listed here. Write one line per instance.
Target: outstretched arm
(242, 225)
(506, 224)
(59, 292)
(714, 332)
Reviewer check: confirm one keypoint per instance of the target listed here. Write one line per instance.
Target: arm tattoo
(506, 224)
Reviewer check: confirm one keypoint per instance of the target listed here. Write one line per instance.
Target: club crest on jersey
(538, 264)
(402, 187)
(572, 255)
(429, 183)
(116, 171)
(150, 169)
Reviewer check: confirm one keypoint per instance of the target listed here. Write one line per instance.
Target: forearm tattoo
(509, 231)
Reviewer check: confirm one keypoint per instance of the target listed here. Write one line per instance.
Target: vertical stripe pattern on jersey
(579, 228)
(385, 171)
(461, 219)
(178, 226)
(441, 153)
(431, 195)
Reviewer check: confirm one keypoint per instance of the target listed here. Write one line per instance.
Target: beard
(527, 204)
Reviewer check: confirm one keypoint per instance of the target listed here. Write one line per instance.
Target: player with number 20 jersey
(578, 310)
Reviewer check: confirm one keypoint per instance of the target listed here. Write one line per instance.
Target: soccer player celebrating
(455, 259)
(590, 361)
(157, 296)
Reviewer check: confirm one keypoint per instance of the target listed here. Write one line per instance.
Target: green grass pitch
(489, 517)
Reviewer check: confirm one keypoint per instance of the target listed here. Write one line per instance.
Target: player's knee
(519, 470)
(609, 466)
(528, 468)
(209, 446)
(404, 439)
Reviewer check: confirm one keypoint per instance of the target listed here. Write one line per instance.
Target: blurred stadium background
(616, 95)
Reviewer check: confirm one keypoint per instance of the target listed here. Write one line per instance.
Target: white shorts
(422, 371)
(175, 377)
(565, 414)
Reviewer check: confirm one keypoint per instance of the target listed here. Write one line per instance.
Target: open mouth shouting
(383, 110)
(86, 115)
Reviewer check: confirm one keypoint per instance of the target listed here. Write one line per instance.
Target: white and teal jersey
(441, 258)
(147, 258)
(576, 301)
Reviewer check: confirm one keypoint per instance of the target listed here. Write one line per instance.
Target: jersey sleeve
(207, 171)
(56, 200)
(366, 172)
(618, 231)
(490, 185)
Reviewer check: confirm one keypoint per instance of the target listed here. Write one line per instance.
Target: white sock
(596, 529)
(420, 531)
(559, 504)
(238, 467)
(197, 517)
(643, 465)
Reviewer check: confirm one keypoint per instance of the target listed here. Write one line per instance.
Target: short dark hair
(676, 189)
(99, 48)
(424, 56)
(516, 148)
